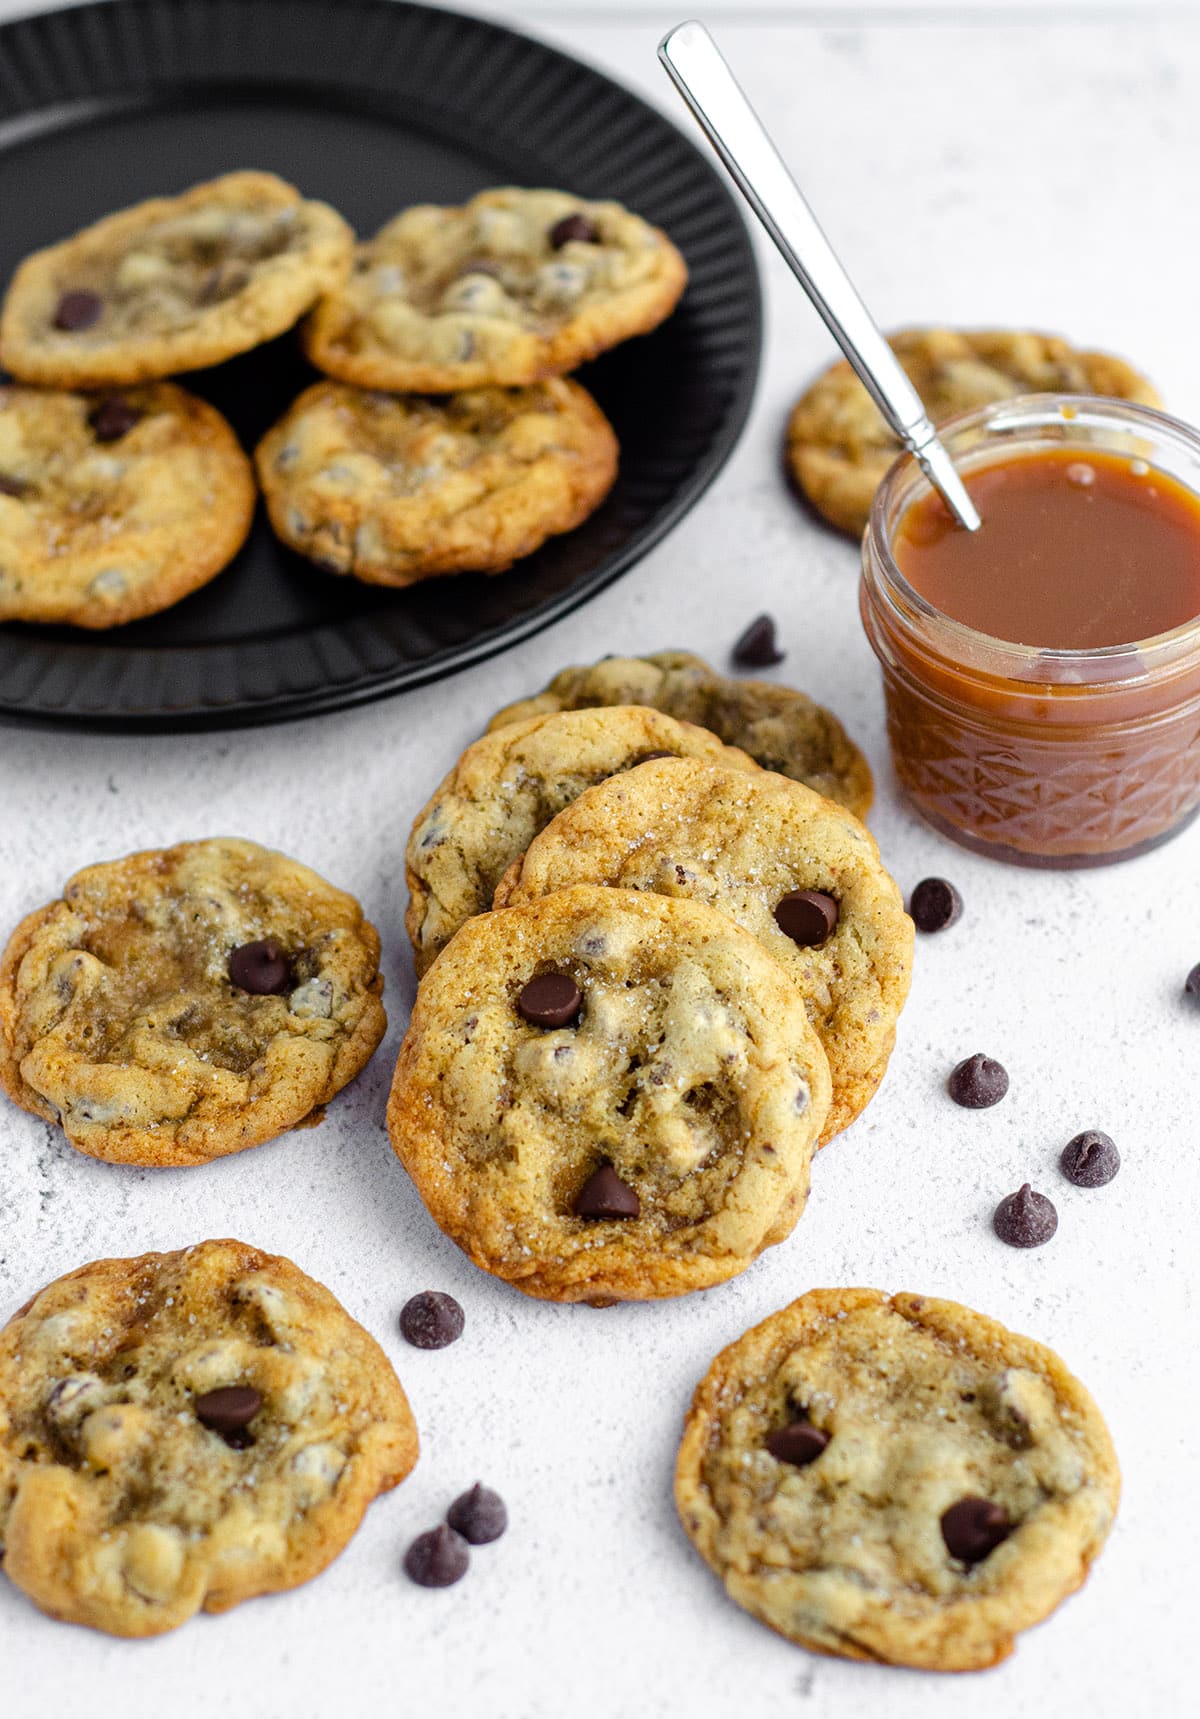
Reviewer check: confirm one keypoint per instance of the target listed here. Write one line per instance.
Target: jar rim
(1029, 412)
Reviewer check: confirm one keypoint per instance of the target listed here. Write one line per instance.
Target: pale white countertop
(1039, 173)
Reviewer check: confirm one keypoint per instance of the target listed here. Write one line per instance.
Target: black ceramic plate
(371, 105)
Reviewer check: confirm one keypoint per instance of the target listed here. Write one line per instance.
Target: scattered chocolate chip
(1025, 1219)
(113, 418)
(550, 1000)
(1191, 985)
(260, 968)
(978, 1083)
(12, 486)
(605, 1195)
(935, 904)
(577, 227)
(757, 646)
(974, 1527)
(78, 310)
(807, 916)
(431, 1320)
(479, 1515)
(800, 1443)
(437, 1559)
(1091, 1159)
(228, 1411)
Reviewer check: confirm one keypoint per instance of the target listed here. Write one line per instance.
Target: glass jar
(1040, 757)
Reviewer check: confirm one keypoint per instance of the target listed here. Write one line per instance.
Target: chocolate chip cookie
(795, 869)
(609, 1096)
(115, 506)
(838, 446)
(780, 728)
(514, 286)
(895, 1479)
(507, 787)
(188, 1002)
(172, 284)
(397, 488)
(185, 1431)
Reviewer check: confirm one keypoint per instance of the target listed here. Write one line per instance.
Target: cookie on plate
(895, 1479)
(397, 488)
(188, 1002)
(187, 1430)
(609, 1096)
(172, 284)
(801, 873)
(780, 728)
(513, 286)
(117, 506)
(507, 787)
(839, 448)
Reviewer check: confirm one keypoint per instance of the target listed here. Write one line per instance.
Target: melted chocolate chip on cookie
(12, 486)
(576, 227)
(807, 916)
(605, 1195)
(1091, 1159)
(437, 1559)
(1025, 1219)
(550, 1000)
(757, 646)
(229, 1411)
(478, 1515)
(974, 1527)
(113, 418)
(78, 310)
(431, 1320)
(798, 1443)
(978, 1083)
(260, 968)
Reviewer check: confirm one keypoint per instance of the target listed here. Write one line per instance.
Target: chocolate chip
(978, 1083)
(78, 310)
(228, 1411)
(1191, 985)
(479, 1515)
(807, 916)
(605, 1195)
(757, 647)
(800, 1443)
(431, 1320)
(12, 486)
(437, 1559)
(577, 227)
(1025, 1219)
(935, 904)
(260, 968)
(648, 757)
(974, 1527)
(550, 1000)
(113, 418)
(1091, 1159)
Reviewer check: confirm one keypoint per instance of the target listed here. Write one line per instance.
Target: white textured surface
(1043, 176)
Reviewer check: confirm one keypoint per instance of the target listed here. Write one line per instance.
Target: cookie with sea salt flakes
(188, 1002)
(781, 728)
(397, 488)
(172, 284)
(514, 286)
(115, 506)
(801, 873)
(184, 1431)
(839, 448)
(607, 1095)
(895, 1479)
(507, 787)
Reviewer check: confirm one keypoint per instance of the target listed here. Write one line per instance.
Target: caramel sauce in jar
(1042, 675)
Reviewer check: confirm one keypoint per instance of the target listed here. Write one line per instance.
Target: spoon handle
(703, 78)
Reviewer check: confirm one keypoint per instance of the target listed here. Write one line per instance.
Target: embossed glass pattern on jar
(1041, 757)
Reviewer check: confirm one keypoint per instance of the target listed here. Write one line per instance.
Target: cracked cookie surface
(506, 787)
(120, 1506)
(917, 1406)
(780, 728)
(690, 1073)
(117, 506)
(839, 448)
(513, 286)
(395, 489)
(172, 284)
(120, 1018)
(741, 843)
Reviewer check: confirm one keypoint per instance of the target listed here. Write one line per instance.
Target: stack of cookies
(664, 975)
(120, 493)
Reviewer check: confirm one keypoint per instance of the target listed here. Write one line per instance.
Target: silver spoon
(707, 85)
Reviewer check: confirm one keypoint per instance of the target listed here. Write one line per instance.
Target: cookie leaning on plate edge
(895, 1479)
(839, 448)
(184, 1003)
(187, 1430)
